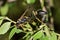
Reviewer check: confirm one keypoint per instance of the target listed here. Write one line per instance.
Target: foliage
(4, 9)
(4, 28)
(30, 1)
(41, 32)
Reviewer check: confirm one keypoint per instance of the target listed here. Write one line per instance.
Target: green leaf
(4, 9)
(44, 38)
(27, 34)
(27, 25)
(47, 30)
(12, 4)
(38, 35)
(18, 31)
(27, 38)
(13, 31)
(53, 36)
(5, 27)
(30, 1)
(1, 17)
(1, 20)
(34, 23)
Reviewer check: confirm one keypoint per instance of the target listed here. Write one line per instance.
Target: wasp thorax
(41, 12)
(21, 21)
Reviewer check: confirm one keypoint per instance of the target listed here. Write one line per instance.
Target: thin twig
(58, 34)
(24, 13)
(10, 20)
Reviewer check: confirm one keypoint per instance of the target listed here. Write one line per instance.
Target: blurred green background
(17, 8)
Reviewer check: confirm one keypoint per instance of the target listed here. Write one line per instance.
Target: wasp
(39, 15)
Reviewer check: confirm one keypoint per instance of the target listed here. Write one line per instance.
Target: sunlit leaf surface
(30, 1)
(5, 27)
(38, 35)
(12, 32)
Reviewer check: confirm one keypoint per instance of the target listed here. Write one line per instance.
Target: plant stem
(10, 20)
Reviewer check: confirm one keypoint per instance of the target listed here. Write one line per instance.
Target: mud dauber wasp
(39, 16)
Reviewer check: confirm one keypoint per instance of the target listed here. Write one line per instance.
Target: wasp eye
(41, 12)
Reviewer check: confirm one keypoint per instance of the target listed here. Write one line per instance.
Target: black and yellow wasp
(41, 15)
